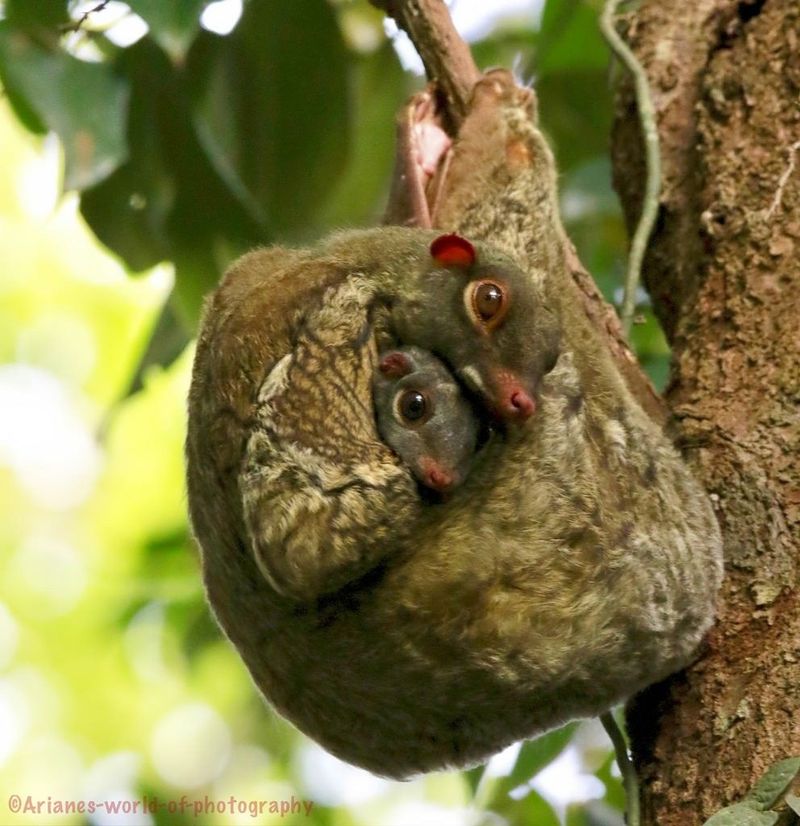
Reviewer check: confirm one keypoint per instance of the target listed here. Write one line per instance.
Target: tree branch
(447, 59)
(78, 24)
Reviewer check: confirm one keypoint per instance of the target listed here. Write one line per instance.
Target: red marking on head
(453, 251)
(395, 365)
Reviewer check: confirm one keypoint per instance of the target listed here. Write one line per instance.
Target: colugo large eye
(413, 407)
(488, 301)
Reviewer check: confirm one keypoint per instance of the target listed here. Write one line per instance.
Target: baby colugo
(424, 417)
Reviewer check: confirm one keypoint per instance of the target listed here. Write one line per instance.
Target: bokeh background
(143, 147)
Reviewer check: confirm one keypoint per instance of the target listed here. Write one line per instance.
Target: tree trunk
(723, 273)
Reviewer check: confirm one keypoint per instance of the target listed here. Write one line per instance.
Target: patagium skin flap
(295, 427)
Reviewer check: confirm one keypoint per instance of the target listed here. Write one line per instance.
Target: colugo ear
(395, 365)
(453, 251)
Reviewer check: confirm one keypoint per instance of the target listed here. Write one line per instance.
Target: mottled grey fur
(577, 563)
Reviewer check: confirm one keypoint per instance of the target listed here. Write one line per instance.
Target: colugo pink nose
(435, 476)
(511, 400)
(521, 405)
(439, 479)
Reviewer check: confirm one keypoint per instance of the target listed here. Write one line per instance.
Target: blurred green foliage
(178, 149)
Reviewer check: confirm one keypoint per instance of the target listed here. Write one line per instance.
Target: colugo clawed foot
(420, 167)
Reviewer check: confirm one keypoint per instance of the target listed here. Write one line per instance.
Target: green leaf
(19, 103)
(129, 211)
(196, 273)
(270, 104)
(741, 814)
(533, 757)
(576, 102)
(84, 103)
(167, 202)
(168, 340)
(570, 39)
(39, 14)
(473, 777)
(615, 792)
(774, 784)
(530, 809)
(593, 813)
(536, 754)
(173, 25)
(359, 195)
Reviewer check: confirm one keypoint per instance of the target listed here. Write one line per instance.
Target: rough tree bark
(723, 272)
(725, 283)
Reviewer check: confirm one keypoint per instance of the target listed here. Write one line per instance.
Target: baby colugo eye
(412, 406)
